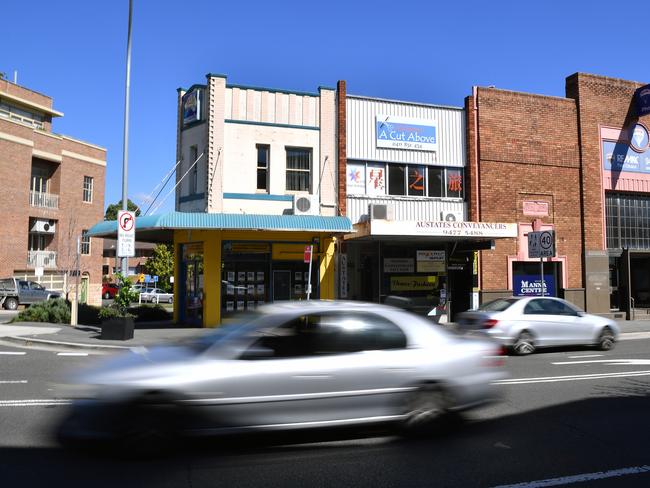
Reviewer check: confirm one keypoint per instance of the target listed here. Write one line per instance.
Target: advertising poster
(376, 179)
(430, 261)
(230, 306)
(356, 179)
(406, 133)
(413, 283)
(250, 276)
(399, 265)
(260, 276)
(231, 276)
(531, 285)
(241, 276)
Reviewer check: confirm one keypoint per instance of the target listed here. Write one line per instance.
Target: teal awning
(158, 227)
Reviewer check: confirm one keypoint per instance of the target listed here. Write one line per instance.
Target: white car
(526, 323)
(156, 295)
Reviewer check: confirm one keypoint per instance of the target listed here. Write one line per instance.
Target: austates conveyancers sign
(405, 133)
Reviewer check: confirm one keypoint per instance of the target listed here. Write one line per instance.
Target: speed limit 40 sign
(541, 244)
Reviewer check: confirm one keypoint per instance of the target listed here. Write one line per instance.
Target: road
(565, 413)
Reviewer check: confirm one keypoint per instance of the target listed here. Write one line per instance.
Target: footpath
(44, 335)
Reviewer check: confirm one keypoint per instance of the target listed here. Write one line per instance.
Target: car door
(541, 318)
(37, 291)
(577, 328)
(25, 295)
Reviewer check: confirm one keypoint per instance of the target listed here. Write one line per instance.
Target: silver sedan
(156, 295)
(288, 366)
(526, 323)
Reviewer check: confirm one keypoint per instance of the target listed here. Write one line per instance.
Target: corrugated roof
(189, 220)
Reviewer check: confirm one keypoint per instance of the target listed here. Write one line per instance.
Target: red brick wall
(528, 150)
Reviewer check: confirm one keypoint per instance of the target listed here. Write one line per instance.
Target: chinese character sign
(375, 179)
(454, 184)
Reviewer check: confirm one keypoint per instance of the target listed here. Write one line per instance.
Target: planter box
(117, 329)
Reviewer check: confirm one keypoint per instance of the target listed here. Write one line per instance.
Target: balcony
(43, 200)
(41, 259)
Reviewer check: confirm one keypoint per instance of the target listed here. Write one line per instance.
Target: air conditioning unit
(305, 205)
(450, 216)
(380, 212)
(43, 226)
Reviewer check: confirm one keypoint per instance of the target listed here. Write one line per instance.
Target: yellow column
(212, 278)
(327, 280)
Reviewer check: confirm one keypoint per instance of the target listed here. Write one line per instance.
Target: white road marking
(630, 336)
(579, 478)
(612, 362)
(586, 356)
(12, 353)
(72, 354)
(11, 382)
(556, 379)
(34, 403)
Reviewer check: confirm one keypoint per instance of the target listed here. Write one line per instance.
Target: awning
(159, 228)
(440, 231)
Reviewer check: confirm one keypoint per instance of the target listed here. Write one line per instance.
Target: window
(85, 242)
(396, 180)
(298, 169)
(416, 181)
(436, 179)
(627, 218)
(40, 179)
(263, 166)
(88, 189)
(454, 183)
(194, 176)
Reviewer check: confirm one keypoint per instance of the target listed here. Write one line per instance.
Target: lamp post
(125, 153)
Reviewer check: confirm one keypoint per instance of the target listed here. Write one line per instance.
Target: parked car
(109, 290)
(286, 366)
(156, 295)
(14, 292)
(527, 323)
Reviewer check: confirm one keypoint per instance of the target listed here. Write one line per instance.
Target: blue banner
(531, 285)
(633, 156)
(403, 133)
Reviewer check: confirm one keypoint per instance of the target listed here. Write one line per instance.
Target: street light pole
(125, 153)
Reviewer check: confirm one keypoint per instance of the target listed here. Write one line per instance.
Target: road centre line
(582, 377)
(586, 356)
(72, 354)
(11, 382)
(579, 478)
(46, 402)
(12, 353)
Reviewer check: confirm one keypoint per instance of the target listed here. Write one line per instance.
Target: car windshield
(498, 305)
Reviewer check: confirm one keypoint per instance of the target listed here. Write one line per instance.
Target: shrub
(150, 313)
(56, 311)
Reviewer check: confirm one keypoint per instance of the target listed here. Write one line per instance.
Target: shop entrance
(281, 285)
(191, 284)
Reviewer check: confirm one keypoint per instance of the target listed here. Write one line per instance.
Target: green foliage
(122, 301)
(114, 208)
(55, 311)
(161, 263)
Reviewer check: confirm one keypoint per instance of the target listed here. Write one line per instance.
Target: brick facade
(69, 160)
(341, 123)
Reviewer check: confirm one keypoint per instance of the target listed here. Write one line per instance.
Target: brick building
(53, 190)
(581, 166)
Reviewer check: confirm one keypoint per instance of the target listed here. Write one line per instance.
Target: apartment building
(53, 192)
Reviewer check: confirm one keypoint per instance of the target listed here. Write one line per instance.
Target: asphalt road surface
(569, 418)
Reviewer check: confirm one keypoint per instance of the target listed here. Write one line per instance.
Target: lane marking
(612, 362)
(556, 379)
(34, 403)
(586, 356)
(11, 382)
(630, 336)
(579, 478)
(72, 354)
(12, 353)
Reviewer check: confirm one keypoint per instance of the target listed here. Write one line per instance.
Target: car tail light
(488, 324)
(495, 359)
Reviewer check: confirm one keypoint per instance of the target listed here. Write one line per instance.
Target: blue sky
(427, 51)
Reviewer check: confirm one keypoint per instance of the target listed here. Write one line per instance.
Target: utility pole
(125, 154)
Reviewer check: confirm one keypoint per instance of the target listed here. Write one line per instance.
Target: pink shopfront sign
(535, 208)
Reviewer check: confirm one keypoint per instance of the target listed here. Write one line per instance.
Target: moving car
(156, 295)
(526, 323)
(14, 292)
(290, 365)
(109, 290)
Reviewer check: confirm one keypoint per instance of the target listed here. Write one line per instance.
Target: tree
(114, 208)
(161, 264)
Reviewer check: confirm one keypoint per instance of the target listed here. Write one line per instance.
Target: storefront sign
(405, 133)
(191, 106)
(343, 276)
(531, 285)
(442, 228)
(633, 156)
(249, 248)
(356, 179)
(413, 283)
(376, 179)
(642, 97)
(399, 265)
(431, 261)
(535, 208)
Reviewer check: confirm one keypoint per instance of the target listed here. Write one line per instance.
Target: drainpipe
(476, 177)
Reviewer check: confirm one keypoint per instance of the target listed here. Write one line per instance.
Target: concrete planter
(117, 328)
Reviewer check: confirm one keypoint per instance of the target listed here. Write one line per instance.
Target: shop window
(436, 180)
(298, 169)
(396, 180)
(263, 151)
(454, 183)
(416, 181)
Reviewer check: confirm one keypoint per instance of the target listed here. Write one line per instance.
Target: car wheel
(606, 339)
(145, 432)
(11, 303)
(171, 300)
(524, 344)
(424, 406)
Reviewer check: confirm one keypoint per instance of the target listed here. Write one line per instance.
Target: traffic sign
(147, 278)
(307, 257)
(541, 244)
(125, 234)
(155, 278)
(141, 278)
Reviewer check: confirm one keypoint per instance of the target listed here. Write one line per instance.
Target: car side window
(534, 307)
(23, 285)
(35, 286)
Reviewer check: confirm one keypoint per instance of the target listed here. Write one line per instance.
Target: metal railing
(44, 259)
(43, 200)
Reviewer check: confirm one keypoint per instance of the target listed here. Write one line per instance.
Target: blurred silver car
(526, 323)
(156, 295)
(288, 366)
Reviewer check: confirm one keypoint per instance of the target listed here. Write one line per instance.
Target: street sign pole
(125, 149)
(308, 252)
(541, 265)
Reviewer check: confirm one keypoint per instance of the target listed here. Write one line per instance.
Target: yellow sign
(413, 283)
(141, 278)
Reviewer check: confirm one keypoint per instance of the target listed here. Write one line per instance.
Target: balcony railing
(44, 259)
(43, 200)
